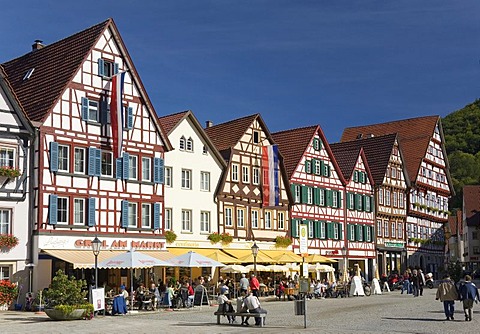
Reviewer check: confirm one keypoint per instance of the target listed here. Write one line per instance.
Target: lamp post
(96, 245)
(255, 253)
(30, 276)
(345, 272)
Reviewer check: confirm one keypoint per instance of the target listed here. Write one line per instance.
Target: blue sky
(298, 63)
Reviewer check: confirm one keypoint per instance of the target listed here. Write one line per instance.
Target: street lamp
(255, 253)
(96, 245)
(345, 273)
(30, 276)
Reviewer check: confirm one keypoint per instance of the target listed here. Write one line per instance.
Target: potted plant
(170, 236)
(226, 238)
(9, 172)
(8, 293)
(65, 299)
(282, 242)
(8, 241)
(214, 237)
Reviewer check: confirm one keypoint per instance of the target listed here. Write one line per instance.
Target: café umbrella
(132, 260)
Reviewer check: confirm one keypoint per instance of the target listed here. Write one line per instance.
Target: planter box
(60, 315)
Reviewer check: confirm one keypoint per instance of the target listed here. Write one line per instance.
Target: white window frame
(281, 220)
(234, 176)
(380, 196)
(228, 216)
(189, 147)
(335, 231)
(146, 215)
(399, 230)
(255, 175)
(401, 200)
(298, 194)
(182, 144)
(310, 229)
(387, 197)
(205, 181)
(146, 169)
(323, 230)
(7, 157)
(132, 215)
(204, 222)
(132, 167)
(334, 199)
(245, 174)
(241, 218)
(393, 228)
(367, 204)
(386, 226)
(368, 233)
(379, 228)
(79, 212)
(186, 179)
(93, 111)
(168, 218)
(3, 269)
(63, 158)
(79, 160)
(62, 210)
(169, 177)
(309, 195)
(5, 221)
(268, 220)
(351, 227)
(254, 218)
(395, 199)
(317, 168)
(351, 201)
(186, 220)
(107, 166)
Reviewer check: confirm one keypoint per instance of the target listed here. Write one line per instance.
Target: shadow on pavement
(414, 319)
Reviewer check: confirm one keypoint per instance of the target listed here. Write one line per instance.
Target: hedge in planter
(65, 298)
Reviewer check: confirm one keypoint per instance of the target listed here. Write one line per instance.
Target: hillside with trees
(462, 137)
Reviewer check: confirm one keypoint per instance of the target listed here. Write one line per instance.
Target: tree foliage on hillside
(462, 140)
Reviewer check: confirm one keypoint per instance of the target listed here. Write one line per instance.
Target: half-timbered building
(92, 178)
(317, 187)
(359, 237)
(423, 146)
(385, 160)
(16, 138)
(253, 196)
(192, 173)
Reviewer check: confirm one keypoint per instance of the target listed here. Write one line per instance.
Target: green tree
(65, 291)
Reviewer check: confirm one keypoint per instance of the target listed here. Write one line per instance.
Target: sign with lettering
(394, 244)
(303, 239)
(108, 243)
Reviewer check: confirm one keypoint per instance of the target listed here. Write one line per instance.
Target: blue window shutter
(129, 123)
(53, 156)
(100, 67)
(84, 109)
(161, 171)
(91, 212)
(52, 210)
(115, 68)
(91, 161)
(126, 165)
(105, 112)
(124, 214)
(98, 162)
(119, 168)
(156, 216)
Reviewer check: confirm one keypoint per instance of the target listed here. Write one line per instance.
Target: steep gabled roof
(293, 144)
(54, 67)
(414, 135)
(471, 204)
(170, 122)
(226, 135)
(377, 150)
(347, 157)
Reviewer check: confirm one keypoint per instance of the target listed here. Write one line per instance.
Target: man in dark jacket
(468, 294)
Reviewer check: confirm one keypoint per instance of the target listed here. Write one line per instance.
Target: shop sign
(394, 244)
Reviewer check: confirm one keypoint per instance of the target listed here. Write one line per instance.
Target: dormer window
(190, 145)
(182, 143)
(256, 137)
(107, 68)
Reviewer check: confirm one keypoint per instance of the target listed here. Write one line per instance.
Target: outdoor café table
(119, 305)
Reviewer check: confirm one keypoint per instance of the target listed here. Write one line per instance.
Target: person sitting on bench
(252, 303)
(225, 305)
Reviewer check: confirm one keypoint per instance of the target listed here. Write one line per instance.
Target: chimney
(37, 45)
(208, 124)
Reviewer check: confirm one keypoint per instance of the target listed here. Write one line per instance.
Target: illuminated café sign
(121, 244)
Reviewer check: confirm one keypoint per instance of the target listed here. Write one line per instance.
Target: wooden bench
(241, 314)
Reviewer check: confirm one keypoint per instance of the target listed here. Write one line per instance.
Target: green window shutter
(316, 229)
(293, 228)
(292, 189)
(316, 144)
(348, 200)
(339, 231)
(316, 196)
(365, 199)
(355, 176)
(358, 202)
(322, 167)
(329, 197)
(339, 199)
(320, 145)
(372, 235)
(304, 194)
(308, 166)
(329, 230)
(371, 204)
(349, 232)
(365, 233)
(357, 232)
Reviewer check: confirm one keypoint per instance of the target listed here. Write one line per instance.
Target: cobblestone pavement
(388, 313)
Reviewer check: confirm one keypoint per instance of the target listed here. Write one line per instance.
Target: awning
(213, 253)
(86, 259)
(317, 258)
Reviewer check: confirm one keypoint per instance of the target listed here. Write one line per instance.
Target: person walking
(421, 281)
(447, 293)
(254, 285)
(468, 294)
(244, 284)
(415, 282)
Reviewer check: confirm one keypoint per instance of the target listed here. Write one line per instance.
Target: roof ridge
(295, 129)
(235, 120)
(397, 121)
(174, 114)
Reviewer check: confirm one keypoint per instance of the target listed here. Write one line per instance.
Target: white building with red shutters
(82, 187)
